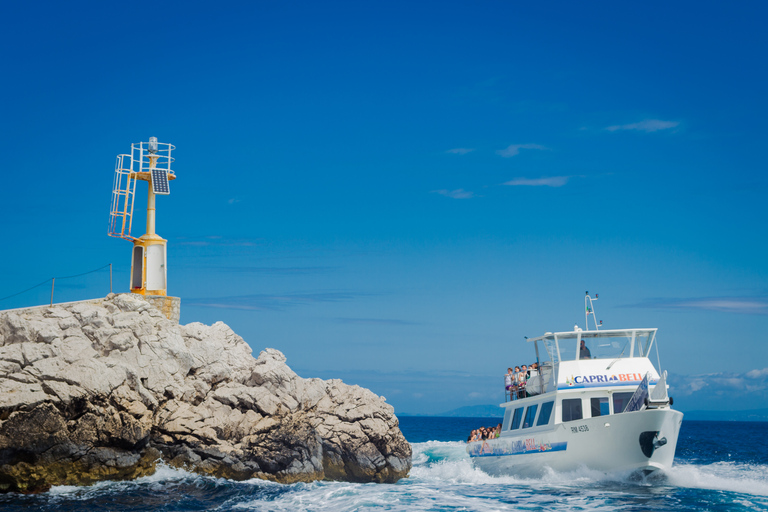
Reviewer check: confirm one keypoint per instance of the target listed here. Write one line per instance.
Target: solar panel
(160, 181)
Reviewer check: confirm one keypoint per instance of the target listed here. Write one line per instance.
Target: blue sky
(395, 193)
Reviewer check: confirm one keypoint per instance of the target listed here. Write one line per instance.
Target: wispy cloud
(266, 302)
(374, 321)
(648, 125)
(514, 149)
(276, 270)
(753, 381)
(217, 240)
(460, 151)
(748, 305)
(552, 181)
(459, 193)
(757, 374)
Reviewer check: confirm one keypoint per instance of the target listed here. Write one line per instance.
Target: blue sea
(719, 466)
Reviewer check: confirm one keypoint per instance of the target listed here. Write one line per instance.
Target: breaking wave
(443, 478)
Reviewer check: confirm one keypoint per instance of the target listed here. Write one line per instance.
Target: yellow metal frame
(123, 195)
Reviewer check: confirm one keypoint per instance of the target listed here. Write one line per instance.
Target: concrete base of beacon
(169, 306)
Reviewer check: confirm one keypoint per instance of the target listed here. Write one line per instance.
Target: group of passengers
(484, 433)
(515, 380)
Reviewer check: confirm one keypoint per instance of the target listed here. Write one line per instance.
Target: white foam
(166, 473)
(455, 467)
(410, 495)
(162, 475)
(722, 476)
(443, 477)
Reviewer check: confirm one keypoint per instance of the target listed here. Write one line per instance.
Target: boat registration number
(579, 428)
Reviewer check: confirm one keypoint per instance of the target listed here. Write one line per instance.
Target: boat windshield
(608, 344)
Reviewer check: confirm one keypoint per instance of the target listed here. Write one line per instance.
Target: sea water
(719, 466)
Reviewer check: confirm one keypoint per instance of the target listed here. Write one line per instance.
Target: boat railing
(515, 392)
(538, 383)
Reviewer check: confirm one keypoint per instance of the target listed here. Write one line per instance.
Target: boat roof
(606, 333)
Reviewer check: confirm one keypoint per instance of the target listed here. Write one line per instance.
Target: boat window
(568, 348)
(610, 347)
(516, 419)
(546, 412)
(620, 401)
(571, 409)
(599, 406)
(507, 417)
(609, 344)
(530, 415)
(642, 344)
(549, 345)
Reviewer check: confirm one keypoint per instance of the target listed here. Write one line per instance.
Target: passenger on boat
(477, 435)
(584, 352)
(515, 383)
(484, 433)
(508, 383)
(522, 378)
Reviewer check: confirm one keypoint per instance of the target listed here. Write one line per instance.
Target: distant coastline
(493, 411)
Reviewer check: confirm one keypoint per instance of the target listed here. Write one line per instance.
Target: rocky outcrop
(92, 392)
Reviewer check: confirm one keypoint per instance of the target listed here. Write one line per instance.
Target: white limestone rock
(100, 391)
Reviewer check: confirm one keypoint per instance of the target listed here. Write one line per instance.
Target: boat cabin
(583, 374)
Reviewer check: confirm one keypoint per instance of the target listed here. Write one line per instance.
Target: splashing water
(442, 478)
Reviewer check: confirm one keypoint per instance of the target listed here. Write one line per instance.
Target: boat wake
(448, 462)
(443, 478)
(721, 476)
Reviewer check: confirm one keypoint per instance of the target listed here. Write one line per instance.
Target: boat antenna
(589, 309)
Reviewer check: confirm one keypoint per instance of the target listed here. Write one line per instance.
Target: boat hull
(636, 442)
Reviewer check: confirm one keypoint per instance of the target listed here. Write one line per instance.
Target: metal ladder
(123, 194)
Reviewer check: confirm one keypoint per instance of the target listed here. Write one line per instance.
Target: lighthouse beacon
(151, 162)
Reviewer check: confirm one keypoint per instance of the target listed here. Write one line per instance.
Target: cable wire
(84, 273)
(15, 294)
(51, 278)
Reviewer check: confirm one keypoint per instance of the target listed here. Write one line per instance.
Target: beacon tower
(151, 162)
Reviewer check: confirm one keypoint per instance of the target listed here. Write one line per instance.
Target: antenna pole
(586, 311)
(589, 309)
(53, 282)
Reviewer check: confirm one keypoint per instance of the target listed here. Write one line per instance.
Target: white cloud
(696, 384)
(736, 383)
(757, 374)
(460, 151)
(648, 125)
(552, 181)
(727, 305)
(514, 149)
(459, 193)
(375, 321)
(265, 302)
(748, 305)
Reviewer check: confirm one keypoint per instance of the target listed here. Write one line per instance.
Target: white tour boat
(604, 408)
